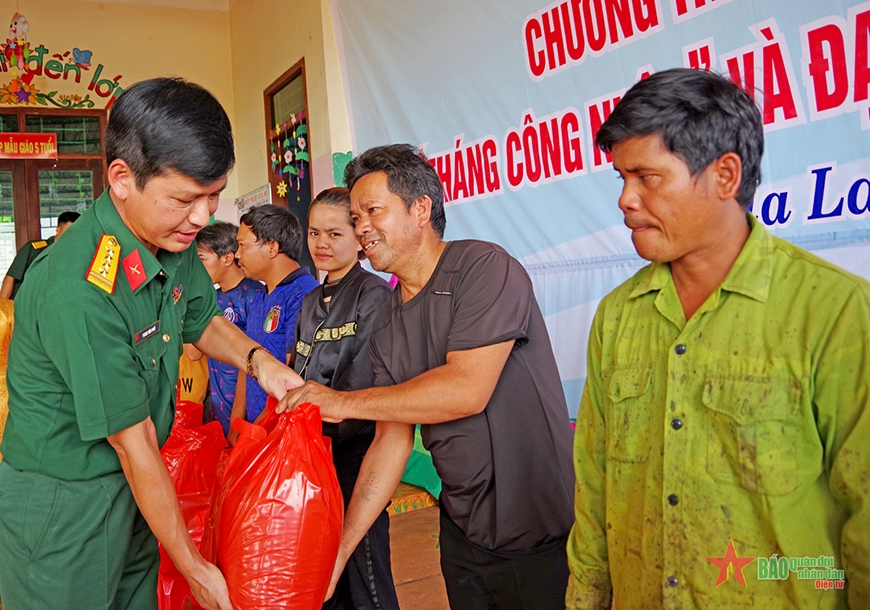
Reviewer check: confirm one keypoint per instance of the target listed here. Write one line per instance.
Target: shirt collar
(749, 275)
(112, 224)
(294, 276)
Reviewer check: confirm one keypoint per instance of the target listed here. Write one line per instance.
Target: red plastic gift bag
(279, 514)
(192, 454)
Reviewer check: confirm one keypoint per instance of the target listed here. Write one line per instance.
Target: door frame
(25, 172)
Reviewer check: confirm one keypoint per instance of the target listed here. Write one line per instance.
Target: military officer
(94, 362)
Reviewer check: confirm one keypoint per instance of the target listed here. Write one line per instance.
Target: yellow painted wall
(268, 38)
(235, 53)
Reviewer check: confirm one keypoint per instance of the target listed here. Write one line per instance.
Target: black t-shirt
(508, 479)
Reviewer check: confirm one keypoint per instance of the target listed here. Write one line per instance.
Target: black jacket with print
(332, 348)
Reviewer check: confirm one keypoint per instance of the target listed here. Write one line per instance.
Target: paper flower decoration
(282, 189)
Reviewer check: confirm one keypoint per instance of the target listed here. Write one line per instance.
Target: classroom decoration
(34, 73)
(288, 148)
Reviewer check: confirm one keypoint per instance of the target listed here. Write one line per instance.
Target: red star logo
(730, 563)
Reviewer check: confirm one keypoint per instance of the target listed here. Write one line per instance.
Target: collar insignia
(104, 266)
(134, 269)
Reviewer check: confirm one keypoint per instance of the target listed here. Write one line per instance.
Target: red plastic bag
(279, 513)
(192, 454)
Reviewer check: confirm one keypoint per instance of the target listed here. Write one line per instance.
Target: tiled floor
(415, 552)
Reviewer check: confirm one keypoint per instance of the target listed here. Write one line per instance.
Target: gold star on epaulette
(104, 267)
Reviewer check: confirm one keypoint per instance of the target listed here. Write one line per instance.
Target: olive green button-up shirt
(749, 423)
(85, 363)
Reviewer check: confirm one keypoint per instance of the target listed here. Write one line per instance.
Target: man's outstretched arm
(457, 389)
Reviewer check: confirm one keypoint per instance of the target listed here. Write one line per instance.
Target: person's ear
(228, 259)
(728, 173)
(422, 210)
(121, 179)
(272, 248)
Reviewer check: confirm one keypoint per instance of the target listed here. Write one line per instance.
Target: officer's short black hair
(67, 217)
(170, 123)
(219, 237)
(274, 223)
(409, 175)
(699, 115)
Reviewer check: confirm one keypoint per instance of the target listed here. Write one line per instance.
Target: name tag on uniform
(147, 332)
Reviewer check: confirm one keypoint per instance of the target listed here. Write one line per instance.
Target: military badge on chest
(271, 322)
(176, 293)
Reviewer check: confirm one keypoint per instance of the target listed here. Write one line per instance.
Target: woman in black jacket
(332, 348)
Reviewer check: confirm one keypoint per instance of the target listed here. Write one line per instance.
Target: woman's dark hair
(336, 197)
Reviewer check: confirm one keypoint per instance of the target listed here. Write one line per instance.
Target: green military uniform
(23, 259)
(98, 333)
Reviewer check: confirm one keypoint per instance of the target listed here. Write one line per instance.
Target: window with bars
(75, 134)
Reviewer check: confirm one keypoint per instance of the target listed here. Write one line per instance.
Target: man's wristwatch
(249, 361)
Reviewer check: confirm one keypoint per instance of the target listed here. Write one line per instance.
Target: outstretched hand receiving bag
(280, 512)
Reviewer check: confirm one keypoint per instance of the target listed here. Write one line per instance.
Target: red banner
(28, 146)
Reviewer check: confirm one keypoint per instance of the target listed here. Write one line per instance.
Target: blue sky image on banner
(505, 98)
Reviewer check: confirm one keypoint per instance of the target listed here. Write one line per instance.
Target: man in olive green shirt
(28, 253)
(93, 365)
(726, 413)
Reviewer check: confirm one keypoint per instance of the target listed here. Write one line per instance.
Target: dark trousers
(478, 579)
(367, 580)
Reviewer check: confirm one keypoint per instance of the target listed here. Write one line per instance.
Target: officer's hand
(210, 589)
(275, 377)
(328, 400)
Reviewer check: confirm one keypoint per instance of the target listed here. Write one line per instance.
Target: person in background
(28, 253)
(270, 243)
(216, 245)
(726, 411)
(461, 347)
(93, 367)
(192, 375)
(332, 348)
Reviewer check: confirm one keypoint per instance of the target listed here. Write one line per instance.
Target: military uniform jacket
(333, 348)
(99, 329)
(24, 258)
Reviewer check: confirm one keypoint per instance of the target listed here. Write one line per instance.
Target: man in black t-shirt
(461, 348)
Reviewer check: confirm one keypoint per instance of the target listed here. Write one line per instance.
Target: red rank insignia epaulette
(134, 269)
(104, 267)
